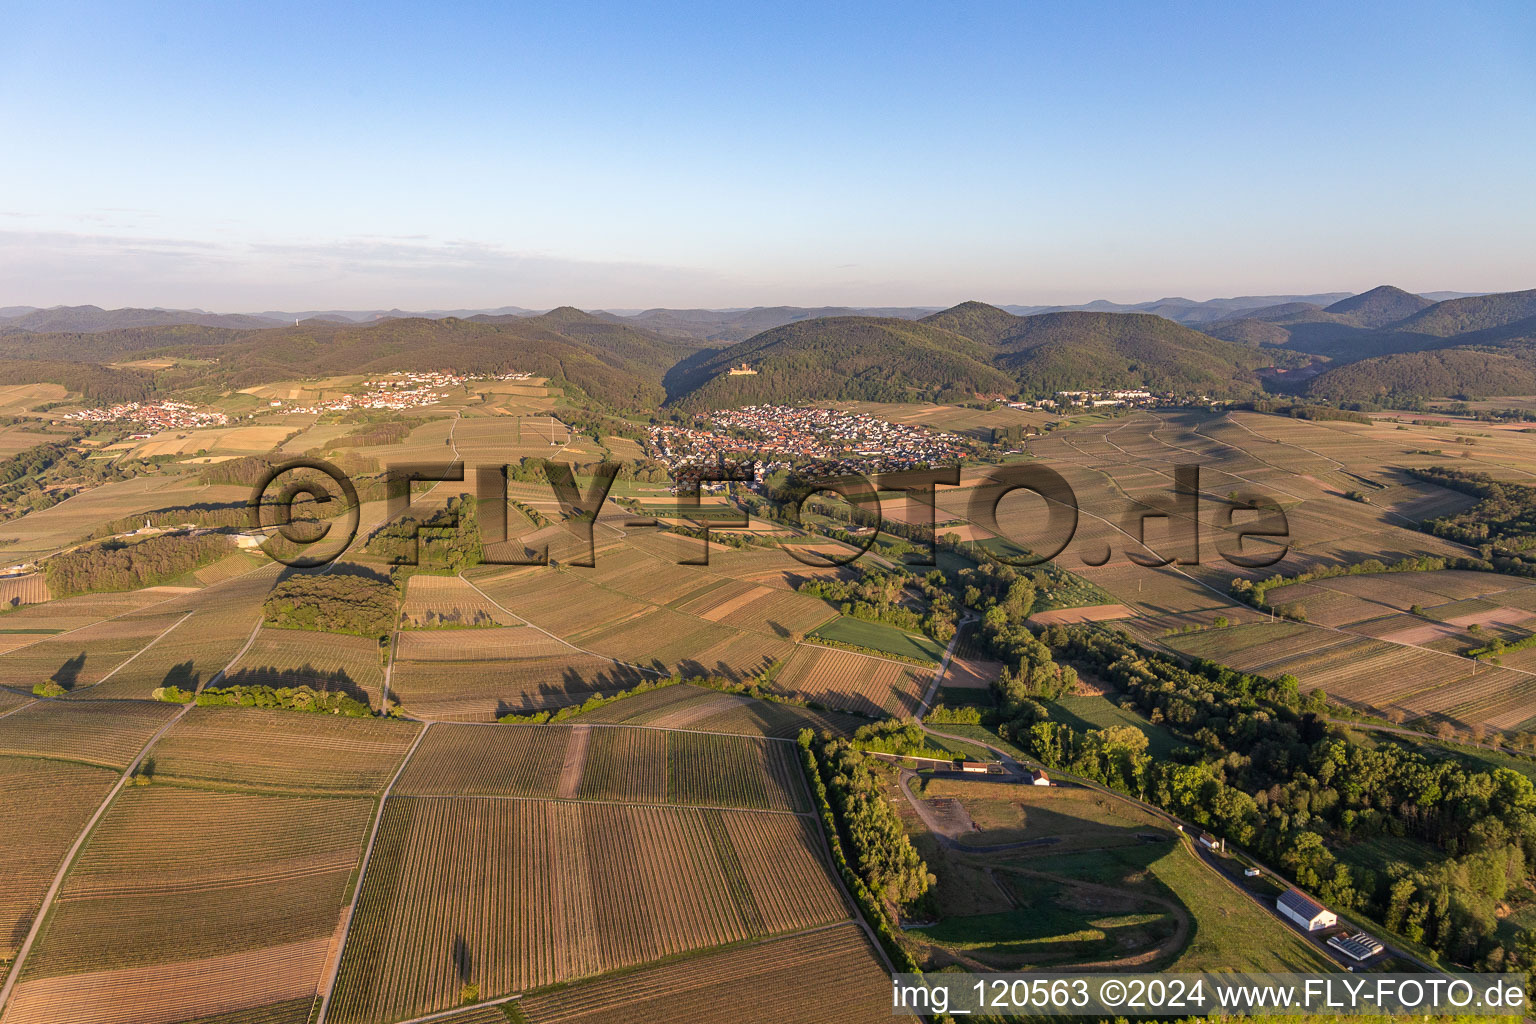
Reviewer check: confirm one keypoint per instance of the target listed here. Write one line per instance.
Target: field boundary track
(333, 961)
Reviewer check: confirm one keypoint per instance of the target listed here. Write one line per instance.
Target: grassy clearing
(1084, 713)
(877, 636)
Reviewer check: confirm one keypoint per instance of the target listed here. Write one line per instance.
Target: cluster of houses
(400, 390)
(839, 441)
(156, 416)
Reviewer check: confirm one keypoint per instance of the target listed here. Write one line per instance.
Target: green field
(1084, 713)
(878, 637)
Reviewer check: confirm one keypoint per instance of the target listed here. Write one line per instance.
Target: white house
(1039, 778)
(1305, 911)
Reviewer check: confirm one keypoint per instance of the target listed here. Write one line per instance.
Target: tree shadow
(68, 674)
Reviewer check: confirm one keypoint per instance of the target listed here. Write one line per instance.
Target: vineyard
(730, 771)
(274, 985)
(267, 749)
(846, 681)
(478, 645)
(85, 656)
(200, 644)
(19, 590)
(831, 976)
(515, 894)
(694, 707)
(324, 661)
(482, 691)
(473, 760)
(38, 832)
(447, 602)
(625, 764)
(200, 877)
(107, 733)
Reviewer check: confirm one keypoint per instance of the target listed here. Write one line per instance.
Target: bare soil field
(1087, 613)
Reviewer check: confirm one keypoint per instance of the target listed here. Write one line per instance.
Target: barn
(1305, 911)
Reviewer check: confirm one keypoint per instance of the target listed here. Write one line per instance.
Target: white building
(1039, 778)
(1359, 946)
(1305, 912)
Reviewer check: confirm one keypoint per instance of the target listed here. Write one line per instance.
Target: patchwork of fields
(655, 858)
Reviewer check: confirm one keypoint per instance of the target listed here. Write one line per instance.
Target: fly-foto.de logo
(1250, 528)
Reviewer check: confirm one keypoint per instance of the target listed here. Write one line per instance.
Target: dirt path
(575, 762)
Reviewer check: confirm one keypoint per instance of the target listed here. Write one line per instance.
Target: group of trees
(882, 853)
(878, 595)
(133, 564)
(363, 605)
(291, 698)
(1263, 770)
(1502, 525)
(448, 538)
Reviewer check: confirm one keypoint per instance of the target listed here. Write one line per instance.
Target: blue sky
(262, 156)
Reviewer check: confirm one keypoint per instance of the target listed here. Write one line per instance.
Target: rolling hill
(842, 358)
(616, 364)
(89, 319)
(1380, 306)
(1438, 373)
(970, 348)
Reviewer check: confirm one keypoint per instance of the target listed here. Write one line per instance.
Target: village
(159, 416)
(1115, 398)
(839, 441)
(401, 389)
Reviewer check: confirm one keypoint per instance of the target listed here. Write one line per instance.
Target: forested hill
(1068, 351)
(1380, 306)
(1383, 321)
(848, 358)
(969, 349)
(1439, 373)
(614, 363)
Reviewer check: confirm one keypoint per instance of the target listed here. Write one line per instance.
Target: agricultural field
(238, 878)
(881, 639)
(16, 591)
(852, 682)
(51, 529)
(38, 833)
(447, 602)
(482, 674)
(272, 750)
(109, 733)
(83, 657)
(211, 628)
(486, 760)
(764, 983)
(324, 661)
(512, 895)
(692, 707)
